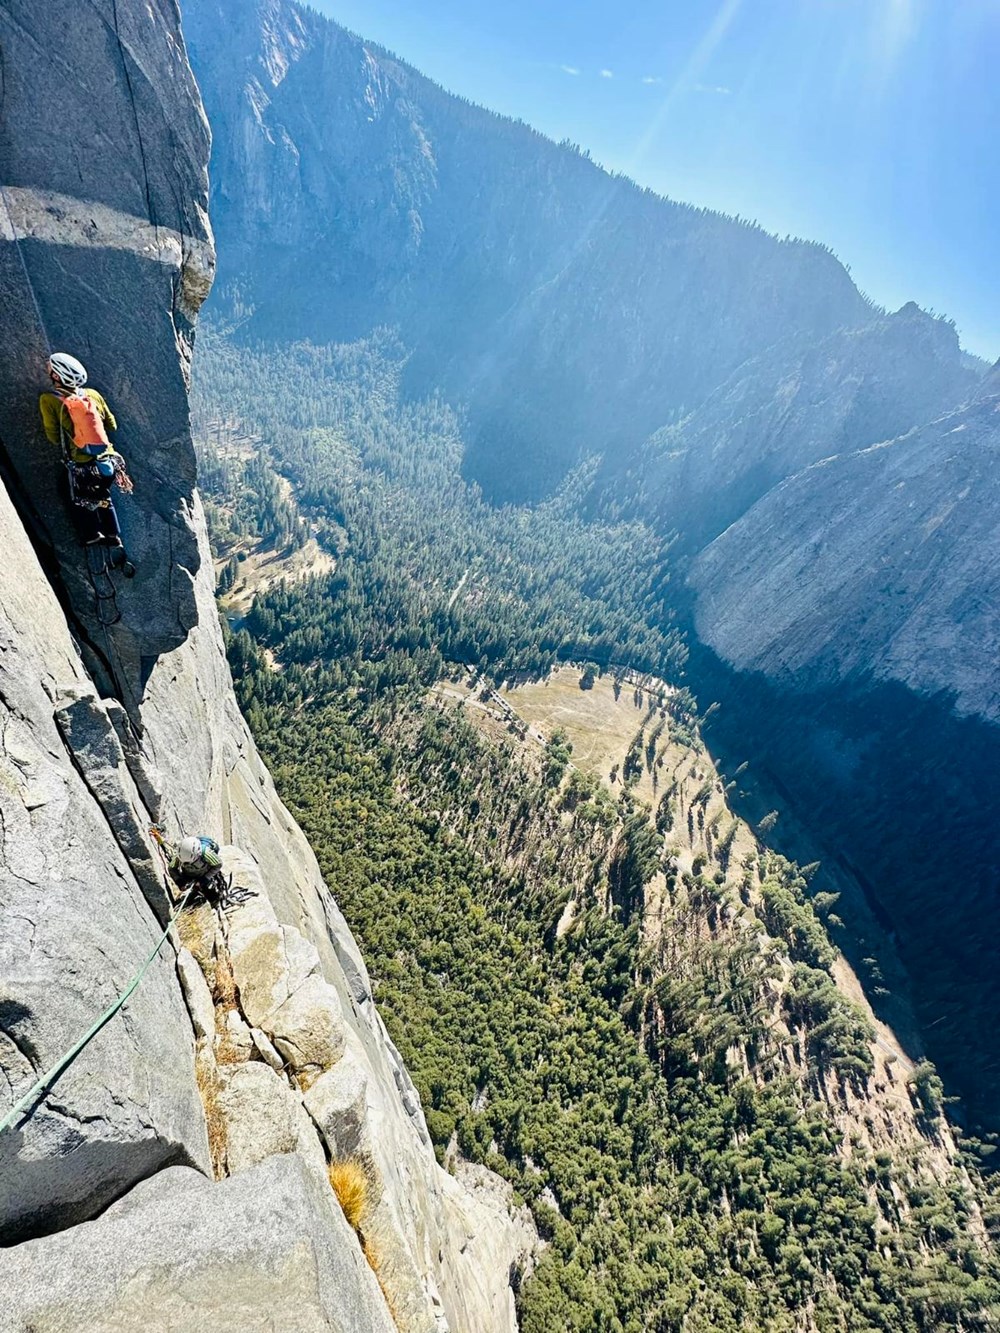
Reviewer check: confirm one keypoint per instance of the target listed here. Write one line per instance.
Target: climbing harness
(43, 1084)
(87, 491)
(90, 491)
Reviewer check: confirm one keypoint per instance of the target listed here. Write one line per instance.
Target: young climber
(77, 420)
(195, 860)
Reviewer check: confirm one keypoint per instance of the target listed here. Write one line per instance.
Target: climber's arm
(49, 405)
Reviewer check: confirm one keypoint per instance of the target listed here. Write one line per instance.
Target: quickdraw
(218, 890)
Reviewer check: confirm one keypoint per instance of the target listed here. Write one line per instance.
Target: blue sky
(871, 125)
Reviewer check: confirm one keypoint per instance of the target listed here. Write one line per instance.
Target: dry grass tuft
(227, 1052)
(308, 1076)
(225, 984)
(195, 928)
(353, 1184)
(350, 1184)
(208, 1087)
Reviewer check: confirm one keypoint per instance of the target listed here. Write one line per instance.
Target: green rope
(52, 1074)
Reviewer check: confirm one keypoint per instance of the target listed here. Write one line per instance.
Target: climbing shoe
(118, 558)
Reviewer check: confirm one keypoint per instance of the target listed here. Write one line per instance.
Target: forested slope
(635, 1023)
(635, 366)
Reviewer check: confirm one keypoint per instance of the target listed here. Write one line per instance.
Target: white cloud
(712, 88)
(569, 69)
(650, 78)
(607, 74)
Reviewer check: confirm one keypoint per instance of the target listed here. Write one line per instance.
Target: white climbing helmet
(190, 852)
(70, 373)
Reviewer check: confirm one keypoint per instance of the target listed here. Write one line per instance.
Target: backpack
(89, 435)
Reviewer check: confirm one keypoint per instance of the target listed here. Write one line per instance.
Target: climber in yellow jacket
(78, 420)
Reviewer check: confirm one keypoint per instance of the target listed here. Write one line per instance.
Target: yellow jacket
(51, 408)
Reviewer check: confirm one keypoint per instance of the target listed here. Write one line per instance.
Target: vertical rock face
(787, 409)
(74, 926)
(883, 562)
(351, 185)
(104, 149)
(105, 248)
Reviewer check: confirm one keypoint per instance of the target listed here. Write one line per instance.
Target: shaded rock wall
(74, 926)
(104, 148)
(104, 248)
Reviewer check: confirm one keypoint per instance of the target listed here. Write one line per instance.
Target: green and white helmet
(197, 854)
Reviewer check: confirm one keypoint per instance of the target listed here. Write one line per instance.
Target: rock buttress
(105, 252)
(74, 927)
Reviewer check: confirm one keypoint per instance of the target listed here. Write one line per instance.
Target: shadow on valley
(902, 793)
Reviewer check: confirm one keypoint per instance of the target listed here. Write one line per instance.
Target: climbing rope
(105, 593)
(106, 608)
(49, 1077)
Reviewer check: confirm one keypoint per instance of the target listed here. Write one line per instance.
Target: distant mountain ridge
(790, 407)
(573, 312)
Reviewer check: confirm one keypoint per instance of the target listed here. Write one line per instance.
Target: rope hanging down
(105, 593)
(49, 1077)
